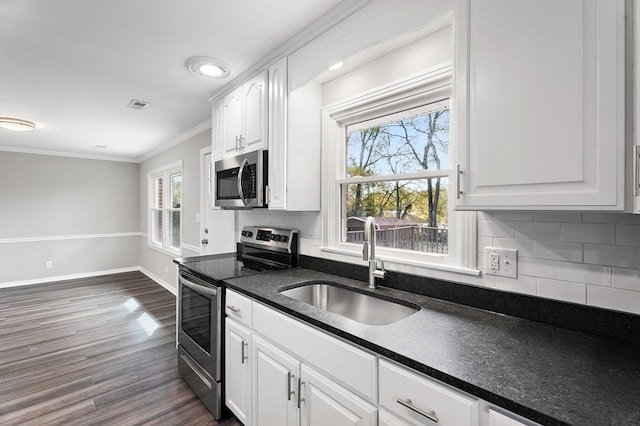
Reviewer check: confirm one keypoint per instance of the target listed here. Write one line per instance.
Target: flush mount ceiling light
(204, 66)
(17, 124)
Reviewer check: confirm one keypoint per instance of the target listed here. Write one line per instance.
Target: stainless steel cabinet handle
(300, 398)
(233, 309)
(290, 392)
(431, 415)
(459, 176)
(244, 357)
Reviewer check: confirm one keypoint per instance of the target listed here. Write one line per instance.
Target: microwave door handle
(245, 163)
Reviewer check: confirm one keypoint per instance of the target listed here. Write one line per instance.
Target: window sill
(404, 265)
(164, 250)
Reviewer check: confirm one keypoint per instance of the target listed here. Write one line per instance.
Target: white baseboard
(159, 280)
(68, 277)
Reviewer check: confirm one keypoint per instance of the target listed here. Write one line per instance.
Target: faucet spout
(370, 246)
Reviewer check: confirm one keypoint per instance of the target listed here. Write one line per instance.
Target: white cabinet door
(278, 134)
(275, 385)
(327, 403)
(539, 104)
(254, 93)
(238, 370)
(232, 123)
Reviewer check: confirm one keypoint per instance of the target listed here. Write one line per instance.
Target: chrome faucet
(369, 252)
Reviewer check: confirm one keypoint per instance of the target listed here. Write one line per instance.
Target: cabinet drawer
(348, 365)
(238, 307)
(421, 394)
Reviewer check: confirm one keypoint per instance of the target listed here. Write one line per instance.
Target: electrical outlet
(48, 264)
(501, 262)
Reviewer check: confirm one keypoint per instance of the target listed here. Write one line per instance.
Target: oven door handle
(245, 163)
(197, 287)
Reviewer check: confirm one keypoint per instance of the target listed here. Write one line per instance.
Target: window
(165, 201)
(398, 171)
(388, 154)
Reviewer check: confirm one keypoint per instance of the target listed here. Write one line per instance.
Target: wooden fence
(413, 237)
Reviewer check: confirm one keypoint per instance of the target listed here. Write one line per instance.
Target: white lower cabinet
(282, 372)
(276, 377)
(419, 400)
(237, 382)
(324, 402)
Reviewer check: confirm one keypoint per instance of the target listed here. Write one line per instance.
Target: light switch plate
(501, 262)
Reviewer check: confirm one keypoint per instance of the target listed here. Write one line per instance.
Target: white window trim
(419, 89)
(165, 172)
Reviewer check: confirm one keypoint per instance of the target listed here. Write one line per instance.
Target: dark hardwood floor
(71, 353)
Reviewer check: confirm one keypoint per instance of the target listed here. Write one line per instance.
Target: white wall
(80, 214)
(586, 258)
(159, 264)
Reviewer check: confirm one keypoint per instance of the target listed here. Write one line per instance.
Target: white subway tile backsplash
(537, 267)
(538, 231)
(557, 217)
(626, 278)
(587, 233)
(581, 273)
(484, 216)
(613, 298)
(550, 250)
(523, 284)
(562, 290)
(628, 235)
(611, 218)
(496, 229)
(484, 242)
(598, 254)
(513, 216)
(524, 247)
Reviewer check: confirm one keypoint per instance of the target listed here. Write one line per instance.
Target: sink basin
(350, 303)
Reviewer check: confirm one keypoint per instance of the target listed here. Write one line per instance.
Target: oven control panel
(268, 237)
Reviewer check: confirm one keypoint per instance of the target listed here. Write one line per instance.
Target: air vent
(136, 104)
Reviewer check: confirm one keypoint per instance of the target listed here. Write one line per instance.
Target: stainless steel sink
(349, 303)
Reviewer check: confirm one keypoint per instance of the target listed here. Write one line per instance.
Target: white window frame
(426, 87)
(165, 173)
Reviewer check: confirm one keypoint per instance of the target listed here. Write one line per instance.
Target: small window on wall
(165, 202)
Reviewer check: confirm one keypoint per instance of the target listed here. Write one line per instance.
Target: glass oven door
(199, 312)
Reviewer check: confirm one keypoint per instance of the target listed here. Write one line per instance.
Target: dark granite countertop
(548, 374)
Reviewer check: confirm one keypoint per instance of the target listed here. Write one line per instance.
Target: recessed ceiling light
(17, 124)
(336, 66)
(204, 66)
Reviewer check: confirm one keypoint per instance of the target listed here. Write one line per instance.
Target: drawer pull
(431, 415)
(233, 309)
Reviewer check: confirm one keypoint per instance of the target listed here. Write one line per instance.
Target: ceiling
(73, 66)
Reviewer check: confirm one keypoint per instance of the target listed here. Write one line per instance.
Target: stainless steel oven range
(201, 305)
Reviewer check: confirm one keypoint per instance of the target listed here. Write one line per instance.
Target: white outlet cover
(507, 262)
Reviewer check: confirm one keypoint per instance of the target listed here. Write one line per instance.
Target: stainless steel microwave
(241, 181)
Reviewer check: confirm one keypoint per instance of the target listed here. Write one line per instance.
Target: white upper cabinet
(539, 104)
(294, 142)
(244, 117)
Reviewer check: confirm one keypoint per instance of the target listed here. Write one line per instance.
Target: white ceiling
(72, 66)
